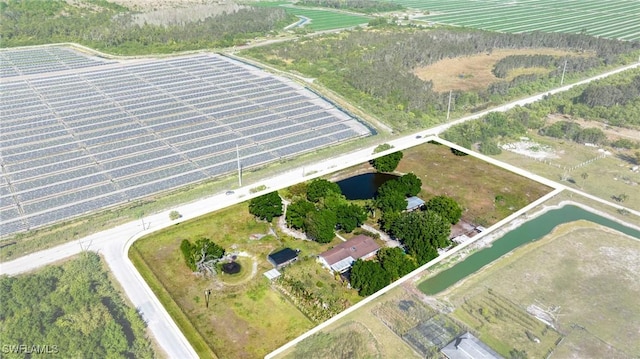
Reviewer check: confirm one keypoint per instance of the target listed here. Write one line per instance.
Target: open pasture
(320, 19)
(616, 19)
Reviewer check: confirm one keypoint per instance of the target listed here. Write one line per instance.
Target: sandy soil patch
(530, 149)
(474, 72)
(612, 132)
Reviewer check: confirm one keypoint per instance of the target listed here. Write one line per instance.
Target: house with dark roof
(341, 257)
(283, 257)
(467, 346)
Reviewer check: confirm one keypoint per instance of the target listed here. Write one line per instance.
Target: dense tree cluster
(391, 196)
(375, 68)
(113, 28)
(202, 255)
(371, 276)
(387, 163)
(555, 63)
(74, 310)
(445, 206)
(322, 210)
(573, 131)
(421, 233)
(266, 206)
(364, 6)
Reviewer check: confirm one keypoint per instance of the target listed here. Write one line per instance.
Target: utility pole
(239, 168)
(449, 105)
(564, 69)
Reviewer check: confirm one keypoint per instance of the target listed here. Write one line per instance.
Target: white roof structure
(467, 346)
(343, 264)
(272, 274)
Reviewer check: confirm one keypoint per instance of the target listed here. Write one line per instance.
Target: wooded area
(373, 68)
(614, 101)
(112, 28)
(73, 308)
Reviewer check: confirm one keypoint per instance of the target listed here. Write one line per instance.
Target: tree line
(113, 28)
(72, 309)
(375, 68)
(614, 101)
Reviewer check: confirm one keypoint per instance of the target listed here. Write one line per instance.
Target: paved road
(114, 243)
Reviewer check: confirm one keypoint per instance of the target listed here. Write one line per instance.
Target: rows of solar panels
(75, 143)
(40, 60)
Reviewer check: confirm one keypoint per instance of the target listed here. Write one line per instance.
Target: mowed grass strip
(585, 276)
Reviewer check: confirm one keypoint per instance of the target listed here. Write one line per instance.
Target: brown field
(471, 182)
(585, 276)
(474, 72)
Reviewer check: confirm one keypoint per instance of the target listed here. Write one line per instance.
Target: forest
(114, 29)
(70, 311)
(373, 68)
(614, 101)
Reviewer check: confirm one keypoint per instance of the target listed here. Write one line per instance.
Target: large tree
(395, 262)
(266, 206)
(320, 225)
(390, 198)
(319, 188)
(202, 255)
(445, 206)
(350, 216)
(387, 163)
(410, 184)
(422, 233)
(368, 277)
(297, 212)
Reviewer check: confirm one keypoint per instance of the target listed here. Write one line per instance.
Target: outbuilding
(283, 257)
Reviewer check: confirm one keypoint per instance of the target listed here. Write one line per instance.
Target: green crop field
(320, 19)
(616, 19)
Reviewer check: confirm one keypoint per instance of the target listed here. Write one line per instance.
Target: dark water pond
(363, 186)
(527, 232)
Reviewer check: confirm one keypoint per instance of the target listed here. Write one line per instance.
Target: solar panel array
(37, 60)
(77, 142)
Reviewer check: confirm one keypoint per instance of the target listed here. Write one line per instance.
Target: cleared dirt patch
(474, 72)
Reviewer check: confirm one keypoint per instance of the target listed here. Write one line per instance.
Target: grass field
(582, 278)
(320, 19)
(246, 317)
(473, 183)
(606, 176)
(617, 19)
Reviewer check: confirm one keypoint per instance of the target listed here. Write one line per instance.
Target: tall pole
(449, 105)
(239, 169)
(564, 69)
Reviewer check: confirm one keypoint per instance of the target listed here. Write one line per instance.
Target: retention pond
(528, 232)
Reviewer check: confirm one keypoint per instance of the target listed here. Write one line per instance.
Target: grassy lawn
(582, 277)
(486, 192)
(605, 177)
(247, 316)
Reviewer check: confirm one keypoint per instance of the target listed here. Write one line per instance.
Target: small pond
(363, 186)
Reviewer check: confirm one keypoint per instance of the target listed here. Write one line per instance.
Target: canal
(528, 232)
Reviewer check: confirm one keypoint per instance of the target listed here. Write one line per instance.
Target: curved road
(114, 243)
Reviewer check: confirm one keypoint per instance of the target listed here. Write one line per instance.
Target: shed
(272, 274)
(414, 203)
(283, 257)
